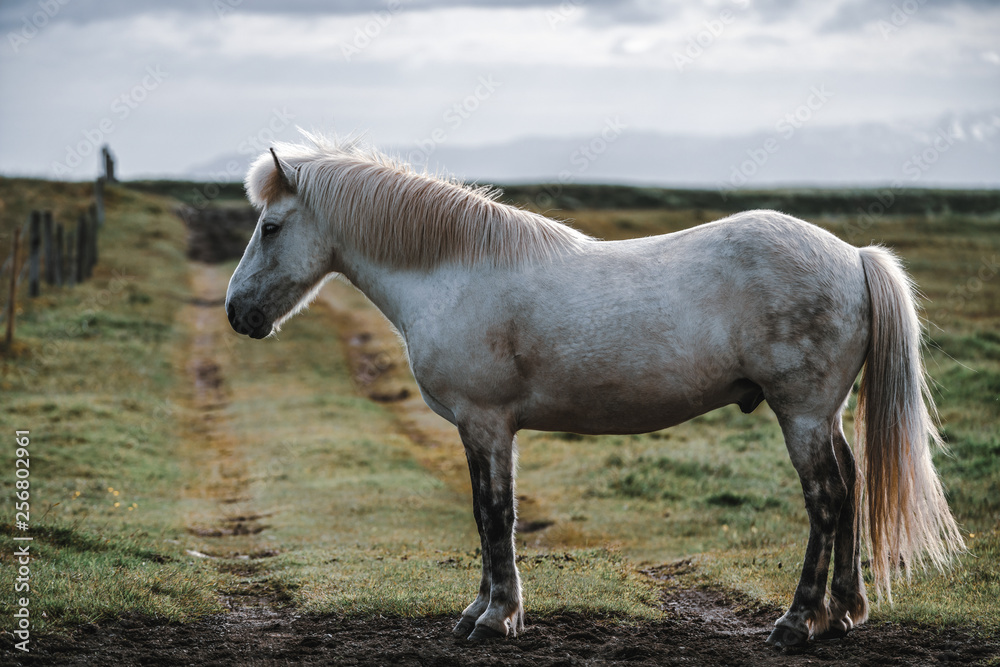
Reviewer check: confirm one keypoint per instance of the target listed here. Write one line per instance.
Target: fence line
(10, 257)
(69, 254)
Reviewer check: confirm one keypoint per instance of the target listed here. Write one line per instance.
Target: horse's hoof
(837, 630)
(783, 637)
(483, 632)
(465, 625)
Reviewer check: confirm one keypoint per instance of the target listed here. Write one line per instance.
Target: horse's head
(287, 259)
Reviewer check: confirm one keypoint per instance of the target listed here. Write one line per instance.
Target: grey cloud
(13, 14)
(855, 14)
(631, 11)
(851, 14)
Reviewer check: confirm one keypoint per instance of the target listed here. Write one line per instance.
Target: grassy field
(91, 378)
(177, 468)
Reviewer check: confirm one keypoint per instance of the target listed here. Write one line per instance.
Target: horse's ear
(286, 173)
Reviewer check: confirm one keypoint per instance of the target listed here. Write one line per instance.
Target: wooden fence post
(70, 258)
(34, 246)
(11, 306)
(109, 164)
(99, 200)
(88, 247)
(48, 249)
(81, 249)
(57, 255)
(95, 223)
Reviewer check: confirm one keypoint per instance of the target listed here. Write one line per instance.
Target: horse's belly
(610, 407)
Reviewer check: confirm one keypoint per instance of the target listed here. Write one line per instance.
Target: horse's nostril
(255, 318)
(231, 312)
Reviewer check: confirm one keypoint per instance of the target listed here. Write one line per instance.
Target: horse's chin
(262, 332)
(268, 327)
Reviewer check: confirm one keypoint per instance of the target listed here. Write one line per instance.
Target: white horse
(512, 320)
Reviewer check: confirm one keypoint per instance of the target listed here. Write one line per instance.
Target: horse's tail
(903, 511)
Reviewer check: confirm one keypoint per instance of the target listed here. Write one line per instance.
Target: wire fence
(45, 252)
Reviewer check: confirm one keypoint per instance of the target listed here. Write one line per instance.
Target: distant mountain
(954, 151)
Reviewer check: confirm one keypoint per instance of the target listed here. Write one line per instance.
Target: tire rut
(220, 484)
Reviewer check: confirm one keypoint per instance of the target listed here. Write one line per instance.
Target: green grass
(355, 524)
(91, 377)
(96, 570)
(720, 481)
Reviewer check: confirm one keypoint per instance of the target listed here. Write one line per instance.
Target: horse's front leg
(472, 613)
(491, 450)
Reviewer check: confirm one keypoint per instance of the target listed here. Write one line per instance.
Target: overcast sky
(174, 85)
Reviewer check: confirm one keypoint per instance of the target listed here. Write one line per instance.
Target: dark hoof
(837, 630)
(483, 632)
(464, 627)
(783, 637)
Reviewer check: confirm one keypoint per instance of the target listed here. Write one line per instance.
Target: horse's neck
(394, 293)
(402, 294)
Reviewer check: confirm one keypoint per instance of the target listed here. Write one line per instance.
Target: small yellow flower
(117, 504)
(111, 489)
(116, 493)
(77, 494)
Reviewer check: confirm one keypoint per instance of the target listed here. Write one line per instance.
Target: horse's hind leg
(491, 452)
(467, 623)
(810, 445)
(848, 602)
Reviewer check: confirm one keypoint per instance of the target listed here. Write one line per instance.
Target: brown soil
(702, 627)
(217, 472)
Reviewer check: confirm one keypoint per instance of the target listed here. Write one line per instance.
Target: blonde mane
(399, 217)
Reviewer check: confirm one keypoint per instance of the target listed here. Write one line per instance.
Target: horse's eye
(269, 229)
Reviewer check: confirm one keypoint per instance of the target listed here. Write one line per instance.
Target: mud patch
(207, 375)
(390, 397)
(216, 302)
(229, 531)
(254, 633)
(525, 527)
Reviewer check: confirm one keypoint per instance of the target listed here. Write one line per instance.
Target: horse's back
(721, 276)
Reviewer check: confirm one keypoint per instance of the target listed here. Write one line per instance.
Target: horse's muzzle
(254, 324)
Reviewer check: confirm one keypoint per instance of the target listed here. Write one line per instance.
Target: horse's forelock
(257, 180)
(274, 187)
(263, 182)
